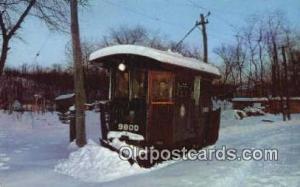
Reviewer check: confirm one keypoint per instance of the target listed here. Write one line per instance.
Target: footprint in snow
(25, 148)
(22, 149)
(32, 146)
(3, 166)
(18, 151)
(3, 160)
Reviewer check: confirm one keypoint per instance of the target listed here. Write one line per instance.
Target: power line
(41, 48)
(144, 15)
(156, 19)
(196, 5)
(214, 15)
(203, 21)
(140, 13)
(186, 35)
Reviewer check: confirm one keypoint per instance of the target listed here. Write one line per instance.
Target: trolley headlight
(122, 67)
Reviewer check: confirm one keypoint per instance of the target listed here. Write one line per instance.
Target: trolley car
(157, 98)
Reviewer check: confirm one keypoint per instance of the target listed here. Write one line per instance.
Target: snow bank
(93, 163)
(250, 99)
(222, 104)
(130, 135)
(233, 115)
(66, 96)
(31, 146)
(253, 111)
(284, 98)
(29, 120)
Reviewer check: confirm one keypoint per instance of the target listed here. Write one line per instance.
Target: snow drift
(93, 163)
(32, 145)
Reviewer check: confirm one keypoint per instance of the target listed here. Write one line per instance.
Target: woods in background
(263, 61)
(24, 83)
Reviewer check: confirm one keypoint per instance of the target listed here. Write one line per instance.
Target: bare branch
(2, 25)
(21, 18)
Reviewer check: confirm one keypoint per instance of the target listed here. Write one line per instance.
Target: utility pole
(203, 21)
(78, 76)
(286, 87)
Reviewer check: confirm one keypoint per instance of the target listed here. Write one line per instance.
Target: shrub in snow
(16, 106)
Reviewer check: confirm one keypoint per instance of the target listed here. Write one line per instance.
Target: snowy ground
(32, 145)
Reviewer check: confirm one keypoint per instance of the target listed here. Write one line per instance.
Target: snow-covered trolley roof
(167, 57)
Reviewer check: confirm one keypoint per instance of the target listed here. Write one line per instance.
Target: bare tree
(265, 54)
(294, 64)
(87, 47)
(226, 53)
(234, 58)
(126, 35)
(13, 13)
(261, 60)
(255, 35)
(240, 56)
(139, 35)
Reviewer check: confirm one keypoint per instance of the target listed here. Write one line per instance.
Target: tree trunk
(7, 34)
(281, 97)
(286, 87)
(261, 72)
(275, 70)
(4, 52)
(78, 76)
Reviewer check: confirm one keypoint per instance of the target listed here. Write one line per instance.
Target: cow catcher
(156, 98)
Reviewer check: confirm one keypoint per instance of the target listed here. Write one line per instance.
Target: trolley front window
(122, 84)
(138, 84)
(130, 84)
